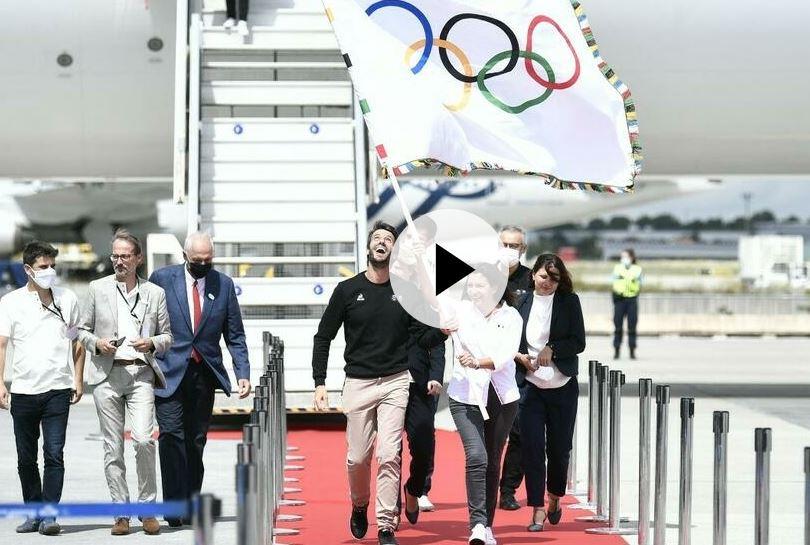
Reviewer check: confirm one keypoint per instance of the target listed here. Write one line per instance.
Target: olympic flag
(515, 85)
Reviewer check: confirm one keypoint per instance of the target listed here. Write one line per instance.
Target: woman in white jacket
(483, 392)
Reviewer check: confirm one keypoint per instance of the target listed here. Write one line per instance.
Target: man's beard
(380, 264)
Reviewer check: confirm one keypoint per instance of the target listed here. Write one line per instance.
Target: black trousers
(421, 433)
(625, 307)
(512, 474)
(547, 418)
(237, 9)
(50, 411)
(183, 419)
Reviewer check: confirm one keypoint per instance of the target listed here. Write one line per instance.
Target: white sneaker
(425, 504)
(242, 28)
(230, 22)
(489, 538)
(478, 536)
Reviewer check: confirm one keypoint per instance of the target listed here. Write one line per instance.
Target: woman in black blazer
(553, 335)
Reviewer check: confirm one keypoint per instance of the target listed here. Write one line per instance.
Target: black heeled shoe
(412, 516)
(555, 516)
(537, 526)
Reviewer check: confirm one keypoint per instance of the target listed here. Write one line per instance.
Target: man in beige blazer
(124, 324)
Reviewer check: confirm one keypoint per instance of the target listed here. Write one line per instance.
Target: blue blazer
(221, 317)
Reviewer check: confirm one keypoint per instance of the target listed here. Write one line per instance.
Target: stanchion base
(292, 449)
(291, 458)
(584, 506)
(285, 532)
(578, 492)
(612, 531)
(599, 518)
(291, 479)
(291, 503)
(293, 468)
(289, 518)
(292, 490)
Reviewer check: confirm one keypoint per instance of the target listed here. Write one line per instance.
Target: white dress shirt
(537, 332)
(38, 337)
(129, 326)
(190, 294)
(496, 336)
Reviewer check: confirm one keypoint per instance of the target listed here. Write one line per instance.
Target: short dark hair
(379, 224)
(123, 234)
(560, 275)
(631, 253)
(36, 249)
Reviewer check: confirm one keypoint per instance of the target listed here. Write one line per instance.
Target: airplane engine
(10, 237)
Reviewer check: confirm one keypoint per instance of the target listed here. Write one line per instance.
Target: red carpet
(324, 488)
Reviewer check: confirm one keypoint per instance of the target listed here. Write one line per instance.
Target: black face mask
(199, 270)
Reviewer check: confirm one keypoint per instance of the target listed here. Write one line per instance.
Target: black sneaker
(615, 353)
(386, 537)
(632, 353)
(358, 523)
(29, 526)
(509, 503)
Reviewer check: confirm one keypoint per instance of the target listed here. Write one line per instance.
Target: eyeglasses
(512, 245)
(122, 257)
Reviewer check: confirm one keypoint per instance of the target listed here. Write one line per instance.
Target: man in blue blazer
(202, 309)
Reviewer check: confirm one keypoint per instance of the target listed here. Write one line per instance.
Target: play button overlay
(452, 263)
(449, 269)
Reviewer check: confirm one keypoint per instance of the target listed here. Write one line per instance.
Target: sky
(783, 198)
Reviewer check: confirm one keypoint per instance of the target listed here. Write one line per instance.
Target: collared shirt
(131, 308)
(537, 331)
(42, 359)
(190, 294)
(496, 336)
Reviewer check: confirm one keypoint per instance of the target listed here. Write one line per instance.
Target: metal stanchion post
(685, 496)
(207, 509)
(265, 505)
(246, 498)
(720, 428)
(601, 447)
(806, 495)
(593, 434)
(661, 430)
(762, 496)
(644, 406)
(614, 518)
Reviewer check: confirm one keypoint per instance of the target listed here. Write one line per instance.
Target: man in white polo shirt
(39, 322)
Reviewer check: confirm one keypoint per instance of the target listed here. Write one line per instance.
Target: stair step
(271, 37)
(276, 93)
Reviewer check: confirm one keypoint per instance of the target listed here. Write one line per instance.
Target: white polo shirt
(42, 359)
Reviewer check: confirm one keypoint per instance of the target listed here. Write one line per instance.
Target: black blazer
(426, 364)
(566, 335)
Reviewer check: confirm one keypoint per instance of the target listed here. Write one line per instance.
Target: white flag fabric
(494, 84)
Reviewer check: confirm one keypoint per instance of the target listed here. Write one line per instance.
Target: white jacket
(496, 336)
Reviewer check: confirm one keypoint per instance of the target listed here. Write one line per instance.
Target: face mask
(199, 270)
(510, 256)
(44, 278)
(626, 261)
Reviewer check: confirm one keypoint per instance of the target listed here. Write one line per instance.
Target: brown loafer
(121, 527)
(151, 526)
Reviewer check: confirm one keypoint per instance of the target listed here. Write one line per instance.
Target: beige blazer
(100, 321)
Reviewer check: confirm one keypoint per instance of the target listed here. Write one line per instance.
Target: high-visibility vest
(627, 280)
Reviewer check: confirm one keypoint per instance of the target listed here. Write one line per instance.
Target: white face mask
(626, 261)
(510, 256)
(44, 278)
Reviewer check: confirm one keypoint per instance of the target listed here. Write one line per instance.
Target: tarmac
(762, 382)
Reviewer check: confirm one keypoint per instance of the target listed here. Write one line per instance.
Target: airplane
(87, 109)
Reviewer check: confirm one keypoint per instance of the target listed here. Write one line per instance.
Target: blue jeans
(29, 412)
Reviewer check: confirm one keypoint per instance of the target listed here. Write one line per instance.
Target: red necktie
(197, 315)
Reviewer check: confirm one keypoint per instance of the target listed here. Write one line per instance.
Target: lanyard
(126, 301)
(57, 312)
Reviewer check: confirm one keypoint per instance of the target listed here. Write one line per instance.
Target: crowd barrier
(604, 470)
(262, 457)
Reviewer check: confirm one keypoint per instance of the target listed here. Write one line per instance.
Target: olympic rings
(530, 67)
(465, 64)
(513, 57)
(422, 19)
(529, 56)
(469, 76)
